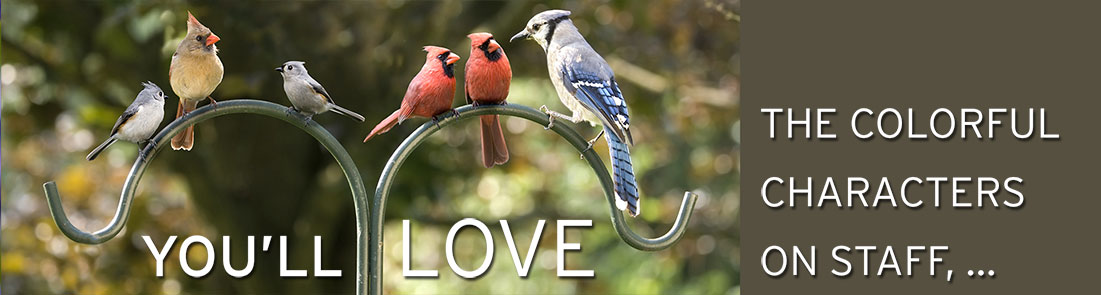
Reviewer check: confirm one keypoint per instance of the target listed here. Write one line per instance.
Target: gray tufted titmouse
(138, 123)
(307, 96)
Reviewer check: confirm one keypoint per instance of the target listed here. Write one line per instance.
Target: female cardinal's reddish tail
(430, 92)
(488, 76)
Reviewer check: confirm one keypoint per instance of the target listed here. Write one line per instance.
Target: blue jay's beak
(521, 35)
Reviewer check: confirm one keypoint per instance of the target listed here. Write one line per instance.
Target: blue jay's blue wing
(602, 97)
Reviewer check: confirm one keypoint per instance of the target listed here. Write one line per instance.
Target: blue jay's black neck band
(552, 25)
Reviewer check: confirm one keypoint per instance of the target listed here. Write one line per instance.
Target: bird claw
(550, 118)
(436, 120)
(591, 142)
(213, 102)
(150, 145)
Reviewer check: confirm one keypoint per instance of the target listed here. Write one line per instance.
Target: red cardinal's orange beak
(493, 46)
(452, 58)
(210, 40)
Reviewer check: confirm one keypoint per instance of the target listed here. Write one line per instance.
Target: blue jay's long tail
(623, 174)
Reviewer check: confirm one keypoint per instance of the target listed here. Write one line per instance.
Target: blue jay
(587, 86)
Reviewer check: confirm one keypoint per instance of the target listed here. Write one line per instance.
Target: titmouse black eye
(290, 68)
(199, 38)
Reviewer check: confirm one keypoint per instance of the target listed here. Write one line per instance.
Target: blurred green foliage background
(69, 68)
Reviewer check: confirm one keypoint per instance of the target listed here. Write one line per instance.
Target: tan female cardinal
(430, 92)
(194, 73)
(487, 79)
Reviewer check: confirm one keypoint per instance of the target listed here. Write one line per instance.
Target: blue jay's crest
(542, 26)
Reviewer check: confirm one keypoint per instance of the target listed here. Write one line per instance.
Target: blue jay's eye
(535, 27)
(199, 38)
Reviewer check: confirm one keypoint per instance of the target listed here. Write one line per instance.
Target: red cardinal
(487, 78)
(430, 92)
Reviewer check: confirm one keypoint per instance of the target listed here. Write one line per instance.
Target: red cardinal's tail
(185, 140)
(494, 151)
(385, 125)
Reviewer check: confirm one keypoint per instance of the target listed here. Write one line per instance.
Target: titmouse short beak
(521, 35)
(210, 40)
(493, 46)
(452, 58)
(279, 69)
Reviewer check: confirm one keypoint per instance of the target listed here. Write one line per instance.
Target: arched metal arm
(389, 173)
(236, 106)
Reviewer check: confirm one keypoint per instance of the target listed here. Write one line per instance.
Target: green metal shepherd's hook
(236, 106)
(382, 192)
(370, 243)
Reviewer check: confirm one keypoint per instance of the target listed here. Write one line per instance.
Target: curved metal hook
(382, 191)
(248, 106)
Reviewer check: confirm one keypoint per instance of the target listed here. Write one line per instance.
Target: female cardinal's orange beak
(210, 40)
(452, 58)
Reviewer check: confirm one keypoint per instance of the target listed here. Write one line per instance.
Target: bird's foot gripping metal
(591, 142)
(148, 147)
(436, 118)
(550, 117)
